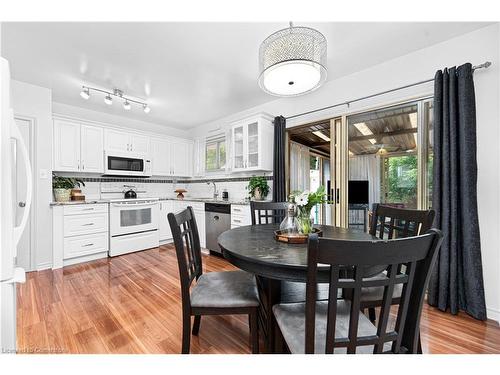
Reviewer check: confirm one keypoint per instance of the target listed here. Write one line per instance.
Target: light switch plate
(44, 174)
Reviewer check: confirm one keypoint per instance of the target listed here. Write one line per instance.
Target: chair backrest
(267, 212)
(390, 222)
(417, 254)
(187, 248)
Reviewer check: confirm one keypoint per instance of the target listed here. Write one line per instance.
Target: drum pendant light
(292, 61)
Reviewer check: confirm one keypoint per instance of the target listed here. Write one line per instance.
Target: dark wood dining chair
(267, 212)
(215, 293)
(338, 326)
(390, 222)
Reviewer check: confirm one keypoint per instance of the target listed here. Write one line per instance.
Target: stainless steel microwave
(127, 164)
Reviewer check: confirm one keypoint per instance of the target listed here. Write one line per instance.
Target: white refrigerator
(10, 233)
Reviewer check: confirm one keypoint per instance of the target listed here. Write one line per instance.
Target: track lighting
(108, 99)
(85, 94)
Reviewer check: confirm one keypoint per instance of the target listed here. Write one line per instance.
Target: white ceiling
(189, 73)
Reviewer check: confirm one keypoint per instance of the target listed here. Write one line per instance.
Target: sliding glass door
(382, 156)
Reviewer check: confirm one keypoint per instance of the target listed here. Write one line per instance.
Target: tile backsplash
(236, 187)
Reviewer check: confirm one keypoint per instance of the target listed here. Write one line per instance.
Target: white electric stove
(133, 225)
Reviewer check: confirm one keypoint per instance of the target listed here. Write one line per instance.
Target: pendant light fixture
(292, 61)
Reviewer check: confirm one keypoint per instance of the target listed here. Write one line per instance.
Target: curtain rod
(486, 64)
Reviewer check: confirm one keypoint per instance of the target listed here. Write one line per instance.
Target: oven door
(123, 165)
(133, 217)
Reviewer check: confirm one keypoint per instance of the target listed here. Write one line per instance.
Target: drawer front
(240, 215)
(240, 210)
(240, 220)
(197, 206)
(75, 225)
(85, 245)
(83, 209)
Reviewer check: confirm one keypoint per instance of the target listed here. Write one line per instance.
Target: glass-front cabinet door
(238, 147)
(253, 145)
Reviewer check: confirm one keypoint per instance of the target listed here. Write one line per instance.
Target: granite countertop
(206, 200)
(188, 199)
(76, 203)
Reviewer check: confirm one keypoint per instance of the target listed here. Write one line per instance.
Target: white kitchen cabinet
(252, 144)
(182, 158)
(116, 141)
(199, 214)
(80, 233)
(77, 147)
(171, 157)
(161, 156)
(91, 149)
(124, 142)
(240, 215)
(66, 146)
(139, 144)
(166, 207)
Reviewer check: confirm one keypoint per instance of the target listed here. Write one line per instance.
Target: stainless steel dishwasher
(217, 220)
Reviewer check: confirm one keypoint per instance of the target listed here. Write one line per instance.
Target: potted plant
(258, 187)
(305, 201)
(62, 187)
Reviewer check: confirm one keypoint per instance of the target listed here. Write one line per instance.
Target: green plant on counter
(258, 187)
(59, 182)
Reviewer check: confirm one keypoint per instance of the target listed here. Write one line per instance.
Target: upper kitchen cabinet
(123, 142)
(171, 157)
(77, 147)
(91, 149)
(252, 144)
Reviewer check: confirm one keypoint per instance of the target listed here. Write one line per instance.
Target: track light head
(146, 108)
(85, 94)
(108, 100)
(126, 105)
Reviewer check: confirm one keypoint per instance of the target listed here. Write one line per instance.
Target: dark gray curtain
(279, 185)
(457, 279)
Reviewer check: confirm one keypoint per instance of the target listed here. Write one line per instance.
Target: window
(215, 154)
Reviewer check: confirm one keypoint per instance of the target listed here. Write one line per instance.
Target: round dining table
(280, 268)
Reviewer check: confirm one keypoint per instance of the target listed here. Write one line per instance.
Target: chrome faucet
(216, 194)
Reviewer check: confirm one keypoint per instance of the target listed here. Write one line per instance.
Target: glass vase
(304, 220)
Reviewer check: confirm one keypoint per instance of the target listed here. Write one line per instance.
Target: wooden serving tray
(295, 238)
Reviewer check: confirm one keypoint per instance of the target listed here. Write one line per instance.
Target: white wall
(36, 102)
(475, 47)
(123, 121)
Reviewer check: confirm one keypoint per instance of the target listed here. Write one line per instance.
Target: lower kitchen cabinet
(240, 215)
(166, 207)
(199, 214)
(80, 233)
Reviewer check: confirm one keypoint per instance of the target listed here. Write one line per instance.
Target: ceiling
(189, 73)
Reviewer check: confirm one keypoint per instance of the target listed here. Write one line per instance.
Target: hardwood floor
(131, 304)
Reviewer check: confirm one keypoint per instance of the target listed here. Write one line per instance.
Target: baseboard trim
(43, 266)
(493, 314)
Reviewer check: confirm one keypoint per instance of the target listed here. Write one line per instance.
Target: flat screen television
(358, 192)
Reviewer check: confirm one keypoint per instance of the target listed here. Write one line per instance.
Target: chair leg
(254, 331)
(371, 314)
(186, 334)
(419, 347)
(196, 325)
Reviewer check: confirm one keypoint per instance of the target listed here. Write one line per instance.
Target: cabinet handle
(88, 224)
(88, 209)
(237, 221)
(236, 210)
(88, 244)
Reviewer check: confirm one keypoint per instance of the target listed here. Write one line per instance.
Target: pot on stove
(130, 194)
